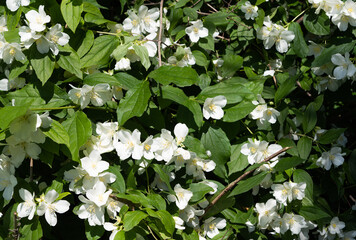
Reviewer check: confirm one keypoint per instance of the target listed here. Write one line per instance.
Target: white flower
(267, 212)
(148, 152)
(132, 23)
(98, 194)
(100, 94)
(213, 107)
(80, 96)
(336, 226)
(165, 146)
(345, 66)
(196, 31)
(298, 190)
(249, 10)
(282, 192)
(179, 223)
(148, 19)
(28, 207)
(180, 132)
(23, 127)
(128, 144)
(113, 207)
(279, 225)
(7, 183)
(55, 36)
(334, 156)
(37, 20)
(89, 210)
(181, 197)
(212, 226)
(315, 49)
(49, 206)
(93, 164)
(13, 5)
(295, 222)
(190, 215)
(123, 64)
(12, 51)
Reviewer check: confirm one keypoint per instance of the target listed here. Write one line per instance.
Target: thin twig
(149, 229)
(31, 169)
(308, 93)
(232, 184)
(160, 33)
(203, 13)
(195, 3)
(211, 7)
(274, 77)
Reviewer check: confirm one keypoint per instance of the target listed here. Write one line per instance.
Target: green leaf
(126, 81)
(313, 213)
(300, 175)
(9, 113)
(142, 52)
(98, 77)
(309, 118)
(167, 220)
(120, 51)
(17, 68)
(325, 56)
(132, 219)
(194, 145)
(32, 231)
(71, 12)
(87, 43)
(299, 45)
(79, 130)
(12, 35)
(238, 112)
(218, 18)
(287, 142)
(246, 185)
(304, 146)
(99, 54)
(93, 232)
(163, 175)
(285, 88)
(182, 77)
(177, 95)
(134, 103)
(199, 190)
(238, 161)
(119, 184)
(57, 133)
(42, 64)
(287, 163)
(216, 141)
(231, 64)
(13, 18)
(70, 61)
(200, 58)
(331, 135)
(318, 24)
(157, 201)
(207, 43)
(56, 185)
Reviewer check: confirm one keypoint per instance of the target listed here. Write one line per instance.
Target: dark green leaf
(287, 163)
(42, 64)
(331, 135)
(142, 52)
(32, 231)
(313, 213)
(57, 133)
(199, 190)
(304, 147)
(126, 81)
(13, 18)
(119, 184)
(285, 88)
(79, 130)
(232, 63)
(309, 118)
(238, 112)
(325, 56)
(71, 12)
(238, 161)
(318, 24)
(300, 175)
(87, 43)
(70, 61)
(93, 232)
(246, 185)
(299, 45)
(172, 74)
(134, 103)
(132, 219)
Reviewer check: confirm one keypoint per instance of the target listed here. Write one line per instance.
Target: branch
(160, 33)
(31, 169)
(232, 184)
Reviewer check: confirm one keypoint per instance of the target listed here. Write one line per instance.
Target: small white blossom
(93, 164)
(196, 31)
(213, 107)
(181, 197)
(13, 5)
(267, 212)
(336, 226)
(28, 207)
(123, 64)
(345, 68)
(212, 226)
(334, 156)
(249, 10)
(37, 20)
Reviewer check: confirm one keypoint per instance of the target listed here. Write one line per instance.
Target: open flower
(212, 226)
(37, 20)
(196, 31)
(249, 10)
(28, 207)
(49, 206)
(345, 68)
(181, 198)
(213, 107)
(93, 164)
(13, 5)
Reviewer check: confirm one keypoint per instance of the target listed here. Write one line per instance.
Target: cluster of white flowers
(263, 114)
(256, 151)
(274, 34)
(341, 13)
(182, 60)
(268, 218)
(7, 84)
(97, 95)
(48, 205)
(25, 135)
(335, 229)
(288, 191)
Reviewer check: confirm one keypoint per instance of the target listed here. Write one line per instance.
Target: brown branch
(203, 13)
(31, 169)
(308, 93)
(195, 3)
(274, 78)
(211, 7)
(232, 184)
(160, 33)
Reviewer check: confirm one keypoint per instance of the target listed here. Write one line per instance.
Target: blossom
(37, 20)
(7, 183)
(344, 66)
(98, 194)
(213, 107)
(165, 146)
(48, 206)
(93, 164)
(13, 5)
(334, 156)
(249, 10)
(12, 51)
(294, 222)
(128, 144)
(28, 207)
(336, 226)
(212, 226)
(181, 197)
(55, 36)
(89, 210)
(178, 223)
(196, 31)
(123, 64)
(267, 212)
